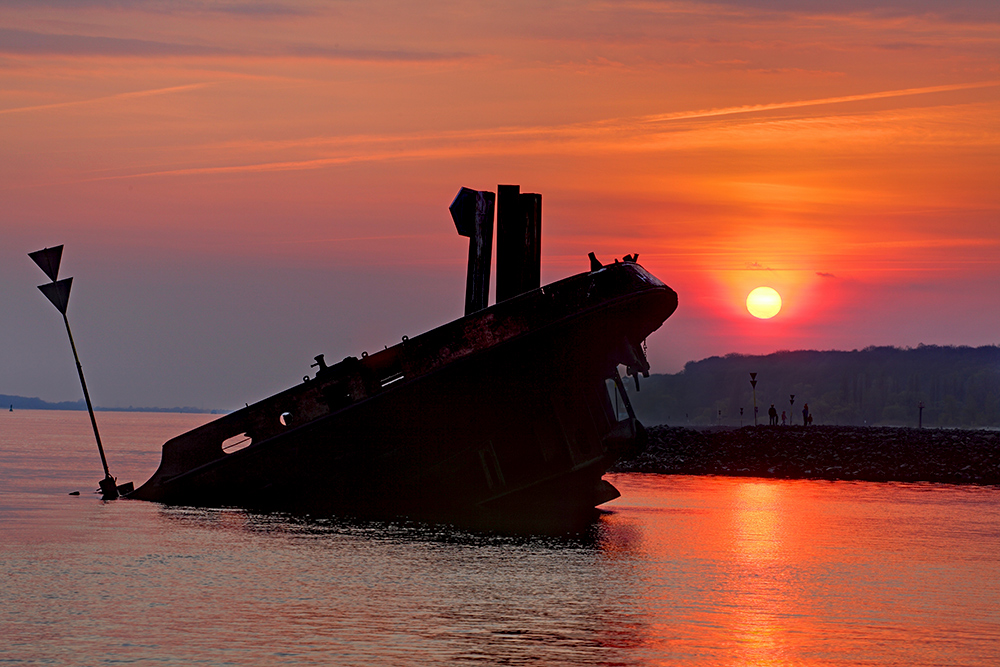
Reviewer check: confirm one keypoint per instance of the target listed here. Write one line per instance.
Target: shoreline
(868, 453)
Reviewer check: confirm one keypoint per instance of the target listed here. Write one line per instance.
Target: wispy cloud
(933, 243)
(29, 43)
(752, 108)
(24, 42)
(351, 239)
(251, 9)
(630, 134)
(616, 135)
(290, 165)
(958, 8)
(195, 7)
(390, 55)
(108, 98)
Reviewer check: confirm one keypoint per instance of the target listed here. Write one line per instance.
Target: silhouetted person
(784, 418)
(772, 415)
(805, 414)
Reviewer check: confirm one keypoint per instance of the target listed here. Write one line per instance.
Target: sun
(764, 303)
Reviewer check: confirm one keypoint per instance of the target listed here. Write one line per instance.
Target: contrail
(118, 96)
(686, 115)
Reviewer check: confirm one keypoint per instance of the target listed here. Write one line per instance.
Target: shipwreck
(515, 407)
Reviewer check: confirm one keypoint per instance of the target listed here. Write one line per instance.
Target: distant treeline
(24, 403)
(959, 387)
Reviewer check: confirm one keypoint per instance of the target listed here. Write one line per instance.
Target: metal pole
(108, 489)
(57, 292)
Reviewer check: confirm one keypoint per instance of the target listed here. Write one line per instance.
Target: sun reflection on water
(761, 596)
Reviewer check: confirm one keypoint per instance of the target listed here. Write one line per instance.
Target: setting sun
(764, 303)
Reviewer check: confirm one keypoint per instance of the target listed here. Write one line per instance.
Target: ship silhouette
(516, 409)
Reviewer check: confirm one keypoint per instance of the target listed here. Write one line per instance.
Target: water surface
(680, 571)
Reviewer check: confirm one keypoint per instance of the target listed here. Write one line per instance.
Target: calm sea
(680, 571)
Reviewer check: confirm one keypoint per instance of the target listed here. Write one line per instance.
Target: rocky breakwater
(877, 454)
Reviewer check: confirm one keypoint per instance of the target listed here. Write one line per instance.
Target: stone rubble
(877, 454)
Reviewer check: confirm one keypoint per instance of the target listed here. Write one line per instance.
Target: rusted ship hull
(506, 409)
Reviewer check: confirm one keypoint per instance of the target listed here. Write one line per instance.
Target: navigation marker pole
(57, 292)
(753, 385)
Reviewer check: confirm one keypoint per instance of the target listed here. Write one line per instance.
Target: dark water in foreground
(681, 571)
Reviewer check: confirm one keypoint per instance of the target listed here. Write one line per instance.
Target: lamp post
(57, 292)
(753, 386)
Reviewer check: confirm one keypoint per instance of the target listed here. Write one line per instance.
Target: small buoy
(74, 493)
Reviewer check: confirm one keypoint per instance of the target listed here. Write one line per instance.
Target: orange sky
(241, 186)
